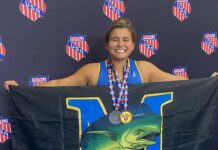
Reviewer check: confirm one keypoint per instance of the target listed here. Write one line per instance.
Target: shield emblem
(77, 46)
(149, 44)
(114, 9)
(38, 80)
(181, 9)
(32, 9)
(2, 50)
(180, 71)
(5, 130)
(209, 43)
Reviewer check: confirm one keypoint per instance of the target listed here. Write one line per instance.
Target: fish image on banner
(209, 42)
(5, 130)
(148, 45)
(32, 9)
(181, 9)
(141, 133)
(77, 46)
(38, 80)
(180, 71)
(114, 9)
(2, 50)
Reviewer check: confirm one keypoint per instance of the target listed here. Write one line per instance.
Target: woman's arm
(151, 73)
(86, 75)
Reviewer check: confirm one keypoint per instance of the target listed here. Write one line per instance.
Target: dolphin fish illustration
(139, 133)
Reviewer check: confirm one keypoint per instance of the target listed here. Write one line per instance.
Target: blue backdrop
(34, 34)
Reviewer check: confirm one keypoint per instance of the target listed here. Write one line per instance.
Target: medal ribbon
(123, 85)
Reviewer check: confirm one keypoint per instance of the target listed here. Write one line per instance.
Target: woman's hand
(214, 74)
(10, 82)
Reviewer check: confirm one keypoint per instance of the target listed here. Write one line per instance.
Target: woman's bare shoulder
(144, 64)
(90, 66)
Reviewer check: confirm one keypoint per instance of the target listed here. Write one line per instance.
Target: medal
(114, 117)
(125, 117)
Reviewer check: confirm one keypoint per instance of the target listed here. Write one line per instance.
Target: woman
(120, 42)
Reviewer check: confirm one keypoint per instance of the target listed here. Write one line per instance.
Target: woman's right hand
(9, 83)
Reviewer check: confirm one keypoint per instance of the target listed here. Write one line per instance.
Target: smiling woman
(120, 45)
(120, 42)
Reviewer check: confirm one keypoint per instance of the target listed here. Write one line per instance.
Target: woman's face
(120, 44)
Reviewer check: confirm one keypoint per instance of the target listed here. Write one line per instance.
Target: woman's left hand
(214, 74)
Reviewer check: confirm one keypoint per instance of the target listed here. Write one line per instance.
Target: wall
(38, 47)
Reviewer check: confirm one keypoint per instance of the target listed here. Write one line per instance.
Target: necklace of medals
(125, 116)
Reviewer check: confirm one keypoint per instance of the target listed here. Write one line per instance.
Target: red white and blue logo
(32, 9)
(38, 80)
(181, 9)
(209, 42)
(5, 130)
(148, 45)
(180, 71)
(2, 50)
(77, 46)
(114, 9)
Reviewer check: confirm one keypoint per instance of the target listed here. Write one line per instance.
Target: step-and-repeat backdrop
(41, 40)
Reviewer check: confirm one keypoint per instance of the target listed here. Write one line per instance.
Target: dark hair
(120, 23)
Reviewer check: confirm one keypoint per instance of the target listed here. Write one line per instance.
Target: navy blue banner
(76, 118)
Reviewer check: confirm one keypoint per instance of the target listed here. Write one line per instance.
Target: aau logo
(148, 45)
(77, 46)
(38, 80)
(209, 43)
(33, 9)
(114, 9)
(180, 71)
(2, 50)
(181, 9)
(5, 130)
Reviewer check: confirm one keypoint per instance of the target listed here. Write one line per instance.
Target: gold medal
(125, 117)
